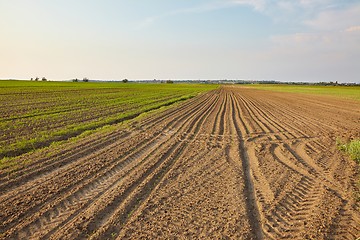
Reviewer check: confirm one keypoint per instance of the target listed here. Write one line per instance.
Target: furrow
(146, 185)
(75, 165)
(117, 202)
(242, 162)
(263, 126)
(64, 181)
(279, 126)
(288, 124)
(239, 115)
(43, 166)
(81, 197)
(278, 154)
(265, 120)
(68, 155)
(150, 186)
(303, 119)
(30, 210)
(217, 116)
(181, 109)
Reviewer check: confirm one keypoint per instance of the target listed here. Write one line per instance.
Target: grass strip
(74, 130)
(347, 92)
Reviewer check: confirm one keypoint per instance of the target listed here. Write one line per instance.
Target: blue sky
(286, 40)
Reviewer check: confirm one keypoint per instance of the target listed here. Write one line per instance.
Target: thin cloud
(353, 29)
(257, 5)
(198, 9)
(336, 19)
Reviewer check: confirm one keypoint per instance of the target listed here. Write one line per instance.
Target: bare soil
(234, 163)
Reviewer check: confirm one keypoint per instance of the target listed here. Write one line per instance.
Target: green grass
(352, 149)
(349, 92)
(36, 114)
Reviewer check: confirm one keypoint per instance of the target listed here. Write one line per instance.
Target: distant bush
(169, 81)
(44, 79)
(125, 80)
(85, 79)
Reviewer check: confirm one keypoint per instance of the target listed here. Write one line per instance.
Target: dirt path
(233, 163)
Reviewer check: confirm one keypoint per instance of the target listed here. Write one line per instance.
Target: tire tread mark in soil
(265, 193)
(69, 187)
(120, 179)
(148, 186)
(31, 183)
(344, 226)
(42, 168)
(37, 208)
(144, 193)
(302, 158)
(251, 202)
(286, 217)
(51, 197)
(300, 154)
(67, 156)
(199, 110)
(308, 168)
(204, 106)
(80, 197)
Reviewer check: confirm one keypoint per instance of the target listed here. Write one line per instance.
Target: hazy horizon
(299, 40)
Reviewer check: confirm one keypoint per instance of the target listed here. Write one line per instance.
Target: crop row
(34, 115)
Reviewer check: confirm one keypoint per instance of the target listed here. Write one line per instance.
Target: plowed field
(233, 163)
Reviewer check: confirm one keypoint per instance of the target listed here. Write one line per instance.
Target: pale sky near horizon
(285, 40)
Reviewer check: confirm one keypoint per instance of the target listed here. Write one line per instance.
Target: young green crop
(352, 149)
(36, 114)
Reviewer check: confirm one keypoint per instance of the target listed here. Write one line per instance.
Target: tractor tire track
(105, 181)
(231, 163)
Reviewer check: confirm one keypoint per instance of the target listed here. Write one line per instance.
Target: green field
(36, 114)
(349, 92)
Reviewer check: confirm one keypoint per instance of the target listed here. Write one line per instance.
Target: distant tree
(36, 79)
(31, 79)
(75, 80)
(169, 81)
(125, 80)
(85, 79)
(43, 79)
